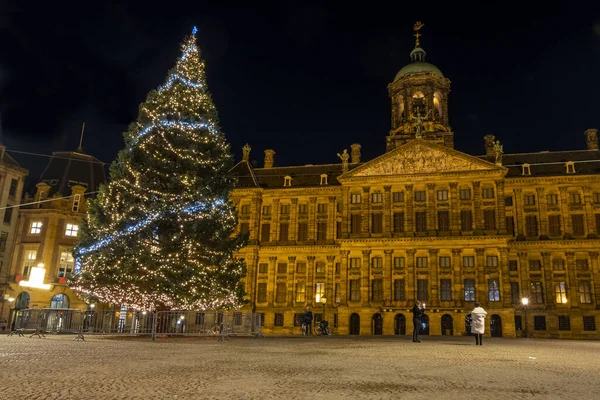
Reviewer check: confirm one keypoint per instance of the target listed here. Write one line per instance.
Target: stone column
(331, 212)
(251, 275)
(589, 210)
(524, 273)
(293, 228)
(431, 199)
(454, 209)
(310, 281)
(505, 278)
(291, 281)
(255, 219)
(500, 208)
(547, 271)
(312, 219)
(346, 213)
(458, 285)
(275, 211)
(564, 210)
(271, 281)
(543, 211)
(411, 274)
(409, 215)
(365, 278)
(482, 289)
(519, 212)
(330, 279)
(573, 286)
(365, 214)
(433, 275)
(595, 277)
(388, 274)
(478, 216)
(344, 277)
(387, 211)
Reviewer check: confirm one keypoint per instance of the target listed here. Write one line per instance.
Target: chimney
(591, 136)
(246, 152)
(489, 147)
(269, 158)
(355, 153)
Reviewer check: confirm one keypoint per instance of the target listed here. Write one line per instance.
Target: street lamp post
(323, 301)
(525, 303)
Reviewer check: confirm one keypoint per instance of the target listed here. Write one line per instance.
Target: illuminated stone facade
(425, 221)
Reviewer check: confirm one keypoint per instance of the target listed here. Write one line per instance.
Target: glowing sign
(36, 279)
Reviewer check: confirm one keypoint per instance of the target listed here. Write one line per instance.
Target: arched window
(22, 301)
(59, 301)
(447, 325)
(401, 113)
(418, 104)
(400, 324)
(437, 106)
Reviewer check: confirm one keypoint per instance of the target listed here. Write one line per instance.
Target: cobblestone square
(297, 368)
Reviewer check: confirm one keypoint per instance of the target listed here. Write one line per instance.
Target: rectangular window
(443, 221)
(398, 262)
(355, 224)
(244, 227)
(66, 266)
(319, 291)
(265, 233)
(445, 289)
(420, 195)
(338, 293)
(469, 289)
(493, 289)
(376, 223)
(377, 197)
(355, 262)
(284, 232)
(8, 214)
(282, 268)
(535, 265)
(537, 293)
(12, 192)
(596, 197)
(589, 323)
(489, 220)
(421, 221)
(263, 268)
(377, 289)
(298, 318)
(552, 199)
(466, 220)
(321, 231)
(278, 319)
(575, 198)
(301, 267)
(515, 295)
(302, 208)
(560, 292)
(487, 193)
(245, 209)
(510, 225)
(322, 208)
(444, 262)
(399, 222)
(531, 227)
(578, 228)
(421, 262)
(585, 292)
(262, 292)
(513, 265)
(266, 210)
(554, 225)
(539, 322)
(468, 261)
(376, 262)
(422, 289)
(399, 290)
(320, 267)
(338, 267)
(398, 197)
(508, 201)
(491, 261)
(558, 264)
(442, 195)
(465, 194)
(354, 289)
(76, 200)
(518, 323)
(582, 264)
(338, 229)
(355, 198)
(300, 292)
(30, 260)
(200, 318)
(302, 231)
(281, 292)
(285, 209)
(36, 228)
(529, 200)
(598, 224)
(72, 230)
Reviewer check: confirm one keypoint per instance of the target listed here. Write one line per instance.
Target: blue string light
(194, 30)
(176, 77)
(172, 124)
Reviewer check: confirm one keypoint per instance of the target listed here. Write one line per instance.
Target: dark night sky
(305, 79)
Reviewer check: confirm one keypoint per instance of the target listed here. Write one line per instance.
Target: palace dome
(418, 65)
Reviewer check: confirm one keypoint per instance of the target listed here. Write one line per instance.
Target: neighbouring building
(12, 179)
(425, 221)
(48, 229)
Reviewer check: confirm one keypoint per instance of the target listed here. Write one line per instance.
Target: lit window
(30, 258)
(66, 264)
(377, 197)
(355, 198)
(76, 200)
(72, 230)
(442, 195)
(36, 228)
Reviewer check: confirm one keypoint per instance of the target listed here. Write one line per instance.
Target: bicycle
(323, 329)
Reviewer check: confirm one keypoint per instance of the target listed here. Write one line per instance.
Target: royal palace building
(361, 241)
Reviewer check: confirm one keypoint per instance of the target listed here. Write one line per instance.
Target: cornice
(551, 179)
(594, 243)
(427, 239)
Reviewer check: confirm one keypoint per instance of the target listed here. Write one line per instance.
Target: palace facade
(425, 221)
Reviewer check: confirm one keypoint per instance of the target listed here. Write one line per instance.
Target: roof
(70, 168)
(552, 163)
(418, 68)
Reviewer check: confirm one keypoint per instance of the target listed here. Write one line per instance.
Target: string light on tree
(160, 233)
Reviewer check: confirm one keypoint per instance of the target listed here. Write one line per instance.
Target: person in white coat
(478, 323)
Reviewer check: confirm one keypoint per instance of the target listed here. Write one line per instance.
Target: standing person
(307, 319)
(478, 323)
(418, 313)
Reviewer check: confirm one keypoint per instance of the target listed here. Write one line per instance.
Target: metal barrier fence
(133, 322)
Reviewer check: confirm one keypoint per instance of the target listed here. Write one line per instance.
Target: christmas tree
(161, 232)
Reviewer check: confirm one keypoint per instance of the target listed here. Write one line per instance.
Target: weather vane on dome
(195, 30)
(416, 28)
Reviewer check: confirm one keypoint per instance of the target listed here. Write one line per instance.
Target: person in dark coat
(307, 319)
(418, 313)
